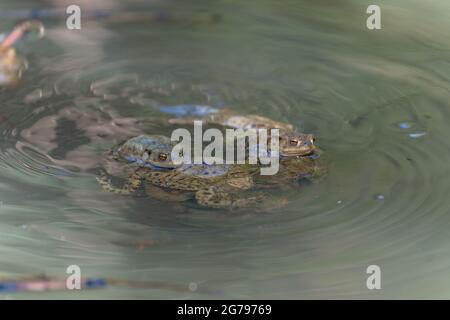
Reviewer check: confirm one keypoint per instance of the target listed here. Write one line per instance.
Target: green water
(311, 63)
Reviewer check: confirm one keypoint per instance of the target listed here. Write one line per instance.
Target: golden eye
(293, 142)
(162, 156)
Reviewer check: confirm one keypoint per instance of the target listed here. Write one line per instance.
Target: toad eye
(162, 156)
(293, 142)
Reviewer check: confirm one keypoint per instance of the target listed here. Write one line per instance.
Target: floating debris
(193, 286)
(12, 65)
(19, 31)
(417, 135)
(405, 125)
(189, 110)
(44, 283)
(379, 197)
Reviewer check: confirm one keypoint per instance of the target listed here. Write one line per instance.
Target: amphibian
(214, 186)
(291, 143)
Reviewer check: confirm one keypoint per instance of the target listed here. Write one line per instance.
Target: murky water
(378, 102)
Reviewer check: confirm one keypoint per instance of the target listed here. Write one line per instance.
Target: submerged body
(214, 186)
(150, 162)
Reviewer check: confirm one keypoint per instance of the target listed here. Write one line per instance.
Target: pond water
(377, 101)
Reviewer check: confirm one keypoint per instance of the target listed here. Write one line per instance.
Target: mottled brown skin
(232, 190)
(292, 171)
(151, 150)
(210, 191)
(296, 144)
(251, 121)
(221, 190)
(215, 191)
(215, 186)
(291, 143)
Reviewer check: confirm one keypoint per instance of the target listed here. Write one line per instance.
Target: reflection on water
(377, 102)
